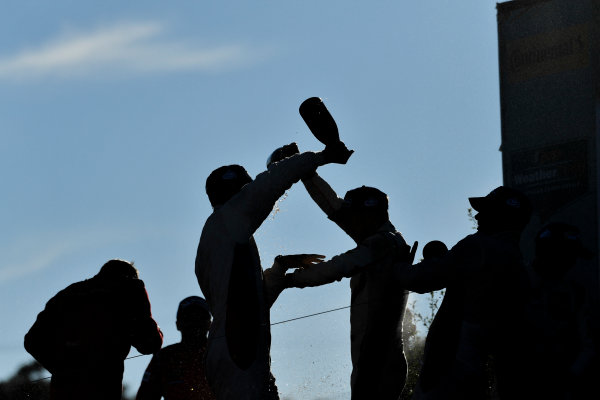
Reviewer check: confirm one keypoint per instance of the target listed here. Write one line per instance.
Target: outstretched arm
(274, 277)
(344, 265)
(247, 210)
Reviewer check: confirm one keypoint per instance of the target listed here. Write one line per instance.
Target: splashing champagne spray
(276, 208)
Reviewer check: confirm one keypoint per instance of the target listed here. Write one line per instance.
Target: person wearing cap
(85, 332)
(177, 372)
(485, 281)
(377, 302)
(230, 275)
(561, 346)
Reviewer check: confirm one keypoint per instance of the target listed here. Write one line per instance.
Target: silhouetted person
(377, 302)
(485, 283)
(86, 331)
(230, 275)
(561, 343)
(177, 371)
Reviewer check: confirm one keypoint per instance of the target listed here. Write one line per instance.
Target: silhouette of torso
(85, 333)
(177, 372)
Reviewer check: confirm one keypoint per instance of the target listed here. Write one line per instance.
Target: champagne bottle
(319, 120)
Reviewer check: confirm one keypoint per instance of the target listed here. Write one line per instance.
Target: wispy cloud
(29, 264)
(123, 48)
(27, 256)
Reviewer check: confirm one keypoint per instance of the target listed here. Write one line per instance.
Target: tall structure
(549, 54)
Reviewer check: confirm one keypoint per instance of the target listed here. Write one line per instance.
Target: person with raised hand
(377, 302)
(229, 270)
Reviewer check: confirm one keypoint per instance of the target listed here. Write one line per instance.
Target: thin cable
(312, 315)
(275, 323)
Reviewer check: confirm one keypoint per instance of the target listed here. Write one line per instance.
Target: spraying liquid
(276, 208)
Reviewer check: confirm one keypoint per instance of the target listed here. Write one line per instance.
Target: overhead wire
(218, 337)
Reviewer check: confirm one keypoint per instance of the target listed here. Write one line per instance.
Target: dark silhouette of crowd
(506, 328)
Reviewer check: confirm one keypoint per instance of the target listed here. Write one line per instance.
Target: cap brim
(478, 203)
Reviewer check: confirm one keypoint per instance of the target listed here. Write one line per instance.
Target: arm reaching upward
(247, 210)
(323, 194)
(328, 201)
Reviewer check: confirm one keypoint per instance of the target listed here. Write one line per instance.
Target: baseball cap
(504, 200)
(224, 182)
(366, 198)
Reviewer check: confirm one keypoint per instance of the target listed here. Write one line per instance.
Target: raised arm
(323, 194)
(246, 211)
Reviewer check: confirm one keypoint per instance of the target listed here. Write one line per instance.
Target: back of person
(181, 374)
(85, 333)
(177, 372)
(89, 349)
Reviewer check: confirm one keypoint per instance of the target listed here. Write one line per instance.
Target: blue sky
(113, 113)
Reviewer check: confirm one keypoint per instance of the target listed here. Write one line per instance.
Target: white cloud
(132, 47)
(27, 256)
(30, 264)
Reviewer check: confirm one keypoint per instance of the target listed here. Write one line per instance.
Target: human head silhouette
(502, 209)
(118, 269)
(224, 182)
(193, 316)
(364, 210)
(434, 249)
